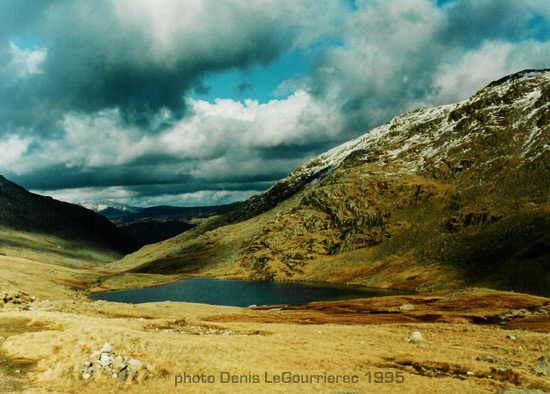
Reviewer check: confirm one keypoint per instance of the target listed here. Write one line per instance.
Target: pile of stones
(107, 363)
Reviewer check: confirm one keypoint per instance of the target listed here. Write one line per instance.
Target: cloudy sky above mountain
(207, 102)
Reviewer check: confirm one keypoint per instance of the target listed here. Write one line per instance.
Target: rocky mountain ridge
(438, 197)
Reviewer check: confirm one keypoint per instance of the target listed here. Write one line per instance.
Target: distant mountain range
(110, 209)
(436, 198)
(154, 224)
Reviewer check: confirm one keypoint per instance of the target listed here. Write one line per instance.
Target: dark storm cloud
(103, 55)
(292, 151)
(145, 180)
(94, 94)
(61, 177)
(472, 22)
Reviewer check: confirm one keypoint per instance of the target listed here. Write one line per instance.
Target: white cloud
(141, 58)
(90, 141)
(130, 197)
(227, 142)
(25, 62)
(78, 195)
(199, 198)
(398, 55)
(11, 151)
(298, 119)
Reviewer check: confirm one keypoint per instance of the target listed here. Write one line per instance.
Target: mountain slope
(439, 197)
(155, 224)
(23, 211)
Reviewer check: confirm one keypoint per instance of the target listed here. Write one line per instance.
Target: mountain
(110, 209)
(155, 224)
(445, 197)
(22, 211)
(143, 226)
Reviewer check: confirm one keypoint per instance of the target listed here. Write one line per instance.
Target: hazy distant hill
(21, 210)
(110, 209)
(436, 198)
(155, 224)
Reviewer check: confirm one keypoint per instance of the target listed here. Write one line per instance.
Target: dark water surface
(239, 293)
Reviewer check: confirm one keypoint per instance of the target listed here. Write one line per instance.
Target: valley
(450, 204)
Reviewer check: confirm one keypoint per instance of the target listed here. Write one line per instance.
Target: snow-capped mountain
(110, 209)
(436, 198)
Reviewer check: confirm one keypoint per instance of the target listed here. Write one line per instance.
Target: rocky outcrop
(436, 198)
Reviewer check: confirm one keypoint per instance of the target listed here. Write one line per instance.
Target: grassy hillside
(437, 198)
(21, 210)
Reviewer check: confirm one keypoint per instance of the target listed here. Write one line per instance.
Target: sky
(207, 102)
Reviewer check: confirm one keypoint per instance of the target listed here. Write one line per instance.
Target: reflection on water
(239, 293)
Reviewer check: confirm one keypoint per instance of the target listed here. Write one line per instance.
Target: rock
(107, 348)
(132, 373)
(543, 367)
(86, 376)
(406, 307)
(512, 337)
(122, 376)
(119, 366)
(416, 337)
(105, 360)
(95, 355)
(138, 365)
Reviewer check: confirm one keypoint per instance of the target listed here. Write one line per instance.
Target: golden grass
(78, 327)
(47, 343)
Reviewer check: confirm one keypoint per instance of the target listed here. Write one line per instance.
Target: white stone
(105, 360)
(86, 376)
(135, 363)
(106, 348)
(95, 354)
(406, 307)
(416, 337)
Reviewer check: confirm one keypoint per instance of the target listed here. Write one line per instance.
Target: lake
(239, 293)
